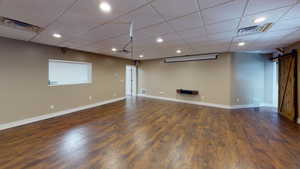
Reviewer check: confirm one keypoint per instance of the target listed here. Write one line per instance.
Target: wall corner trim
(56, 114)
(201, 103)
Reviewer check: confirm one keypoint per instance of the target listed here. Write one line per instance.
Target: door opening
(275, 84)
(131, 80)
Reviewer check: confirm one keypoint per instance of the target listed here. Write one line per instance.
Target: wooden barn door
(288, 86)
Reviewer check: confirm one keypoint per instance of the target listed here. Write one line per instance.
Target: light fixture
(159, 40)
(56, 35)
(178, 51)
(105, 7)
(141, 56)
(114, 49)
(259, 20)
(241, 44)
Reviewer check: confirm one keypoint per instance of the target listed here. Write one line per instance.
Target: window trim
(75, 62)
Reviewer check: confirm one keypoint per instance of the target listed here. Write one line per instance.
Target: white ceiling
(194, 26)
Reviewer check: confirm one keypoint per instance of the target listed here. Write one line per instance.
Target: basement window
(63, 72)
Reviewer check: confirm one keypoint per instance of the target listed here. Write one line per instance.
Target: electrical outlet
(161, 92)
(52, 107)
(90, 98)
(202, 97)
(115, 94)
(237, 100)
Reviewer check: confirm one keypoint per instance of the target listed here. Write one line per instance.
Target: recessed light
(141, 56)
(241, 43)
(105, 7)
(159, 40)
(56, 35)
(114, 49)
(178, 51)
(259, 20)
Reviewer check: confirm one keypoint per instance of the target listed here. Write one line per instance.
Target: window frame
(90, 72)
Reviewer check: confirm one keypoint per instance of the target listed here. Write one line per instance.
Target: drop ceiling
(193, 26)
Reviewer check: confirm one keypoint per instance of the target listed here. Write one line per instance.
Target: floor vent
(254, 29)
(19, 25)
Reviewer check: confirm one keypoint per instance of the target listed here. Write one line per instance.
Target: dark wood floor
(151, 134)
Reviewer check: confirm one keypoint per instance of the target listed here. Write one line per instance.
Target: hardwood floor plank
(142, 133)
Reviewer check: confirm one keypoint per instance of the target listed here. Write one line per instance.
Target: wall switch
(52, 107)
(90, 98)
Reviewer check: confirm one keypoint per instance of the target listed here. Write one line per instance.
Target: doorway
(131, 80)
(275, 84)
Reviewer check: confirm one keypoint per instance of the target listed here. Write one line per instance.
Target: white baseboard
(56, 114)
(268, 105)
(201, 103)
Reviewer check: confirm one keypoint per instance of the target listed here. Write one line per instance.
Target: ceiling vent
(19, 25)
(254, 29)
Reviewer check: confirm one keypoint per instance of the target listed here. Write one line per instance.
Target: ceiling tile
(216, 48)
(75, 42)
(220, 27)
(84, 27)
(83, 16)
(271, 16)
(280, 32)
(46, 38)
(224, 12)
(211, 3)
(193, 33)
(276, 36)
(36, 12)
(121, 7)
(175, 8)
(142, 17)
(224, 35)
(106, 31)
(286, 24)
(247, 38)
(153, 31)
(293, 13)
(170, 39)
(187, 22)
(255, 6)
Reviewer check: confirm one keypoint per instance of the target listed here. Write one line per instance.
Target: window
(68, 72)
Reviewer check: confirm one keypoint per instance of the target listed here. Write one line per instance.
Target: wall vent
(254, 29)
(19, 25)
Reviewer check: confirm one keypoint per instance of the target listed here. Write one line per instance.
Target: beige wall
(222, 81)
(269, 81)
(24, 80)
(248, 79)
(211, 78)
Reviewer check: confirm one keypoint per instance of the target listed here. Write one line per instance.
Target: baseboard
(56, 114)
(268, 105)
(201, 103)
